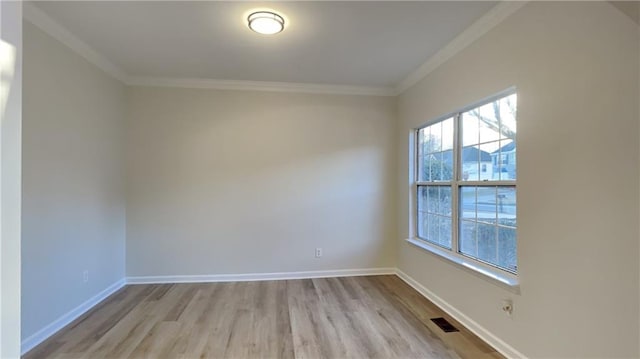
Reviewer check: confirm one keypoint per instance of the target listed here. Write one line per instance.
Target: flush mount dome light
(266, 22)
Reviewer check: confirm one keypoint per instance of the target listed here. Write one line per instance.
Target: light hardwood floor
(352, 317)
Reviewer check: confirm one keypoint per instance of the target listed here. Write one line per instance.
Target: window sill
(493, 275)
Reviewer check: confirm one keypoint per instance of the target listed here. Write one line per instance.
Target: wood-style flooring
(350, 317)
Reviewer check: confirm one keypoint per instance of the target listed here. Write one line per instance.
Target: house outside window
(466, 183)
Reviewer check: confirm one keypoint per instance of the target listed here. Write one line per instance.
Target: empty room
(320, 179)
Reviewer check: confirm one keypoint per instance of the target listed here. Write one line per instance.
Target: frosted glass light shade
(265, 22)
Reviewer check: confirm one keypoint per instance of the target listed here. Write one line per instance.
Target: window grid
(457, 183)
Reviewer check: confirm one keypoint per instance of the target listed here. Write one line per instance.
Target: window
(466, 183)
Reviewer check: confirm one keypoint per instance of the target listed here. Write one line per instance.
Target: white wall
(575, 66)
(10, 145)
(73, 212)
(224, 182)
(230, 182)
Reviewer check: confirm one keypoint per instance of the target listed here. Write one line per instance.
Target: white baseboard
(257, 276)
(497, 343)
(44, 333)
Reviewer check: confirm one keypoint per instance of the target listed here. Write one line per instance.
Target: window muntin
(466, 183)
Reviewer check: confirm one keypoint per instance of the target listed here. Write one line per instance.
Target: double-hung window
(465, 178)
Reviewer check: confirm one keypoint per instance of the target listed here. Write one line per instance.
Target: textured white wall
(229, 182)
(575, 66)
(73, 213)
(10, 147)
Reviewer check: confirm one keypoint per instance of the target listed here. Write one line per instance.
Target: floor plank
(350, 317)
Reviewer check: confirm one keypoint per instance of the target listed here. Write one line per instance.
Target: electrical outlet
(85, 276)
(507, 306)
(318, 252)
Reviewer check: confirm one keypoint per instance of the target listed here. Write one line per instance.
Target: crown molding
(259, 86)
(480, 27)
(41, 20)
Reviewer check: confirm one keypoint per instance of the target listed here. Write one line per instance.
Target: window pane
(427, 141)
(507, 160)
(433, 200)
(445, 232)
(486, 156)
(508, 107)
(467, 235)
(507, 206)
(447, 134)
(433, 235)
(488, 224)
(423, 168)
(470, 163)
(423, 224)
(429, 162)
(435, 137)
(489, 127)
(446, 169)
(507, 249)
(447, 166)
(469, 128)
(487, 243)
(486, 204)
(422, 198)
(468, 202)
(435, 166)
(444, 200)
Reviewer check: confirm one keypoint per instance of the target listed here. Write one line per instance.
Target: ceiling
(354, 43)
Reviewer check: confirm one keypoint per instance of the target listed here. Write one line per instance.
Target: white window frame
(484, 270)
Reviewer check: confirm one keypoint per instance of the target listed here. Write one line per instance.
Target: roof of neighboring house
(469, 154)
(506, 148)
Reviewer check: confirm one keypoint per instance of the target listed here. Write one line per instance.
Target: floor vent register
(444, 325)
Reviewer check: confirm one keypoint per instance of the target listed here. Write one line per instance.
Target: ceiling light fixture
(265, 22)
